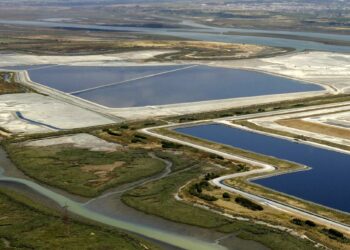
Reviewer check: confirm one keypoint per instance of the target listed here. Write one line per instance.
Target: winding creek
(110, 210)
(209, 33)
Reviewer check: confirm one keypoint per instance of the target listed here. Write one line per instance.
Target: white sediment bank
(137, 113)
(315, 116)
(325, 68)
(81, 140)
(41, 113)
(330, 70)
(120, 59)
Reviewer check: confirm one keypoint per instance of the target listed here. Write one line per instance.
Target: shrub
(207, 197)
(184, 119)
(335, 233)
(204, 184)
(113, 132)
(214, 156)
(124, 126)
(310, 223)
(241, 167)
(210, 176)
(248, 204)
(135, 140)
(196, 190)
(166, 144)
(298, 105)
(225, 115)
(298, 222)
(226, 195)
(147, 124)
(140, 137)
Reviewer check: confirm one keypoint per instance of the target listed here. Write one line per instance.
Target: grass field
(83, 172)
(299, 103)
(242, 183)
(26, 225)
(267, 214)
(316, 127)
(178, 49)
(157, 198)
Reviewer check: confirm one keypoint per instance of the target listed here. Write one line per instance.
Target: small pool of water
(327, 183)
(119, 87)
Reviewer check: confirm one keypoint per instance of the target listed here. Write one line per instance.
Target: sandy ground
(81, 140)
(271, 122)
(341, 120)
(46, 110)
(121, 59)
(316, 128)
(206, 106)
(331, 69)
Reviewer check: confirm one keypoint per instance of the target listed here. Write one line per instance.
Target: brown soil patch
(149, 146)
(101, 171)
(316, 128)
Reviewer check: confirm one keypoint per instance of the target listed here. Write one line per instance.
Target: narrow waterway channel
(207, 33)
(110, 210)
(324, 184)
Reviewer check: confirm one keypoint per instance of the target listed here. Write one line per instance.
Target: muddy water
(111, 211)
(206, 33)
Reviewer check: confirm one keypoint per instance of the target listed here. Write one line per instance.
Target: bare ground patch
(81, 140)
(315, 127)
(102, 172)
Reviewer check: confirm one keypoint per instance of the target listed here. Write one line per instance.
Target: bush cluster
(166, 144)
(335, 235)
(226, 195)
(248, 204)
(210, 176)
(113, 132)
(300, 222)
(197, 188)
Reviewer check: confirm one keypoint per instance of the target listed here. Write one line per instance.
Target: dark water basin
(327, 183)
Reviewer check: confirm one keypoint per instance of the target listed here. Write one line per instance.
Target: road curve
(264, 168)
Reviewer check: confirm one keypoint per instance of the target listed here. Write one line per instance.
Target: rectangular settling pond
(327, 183)
(119, 87)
